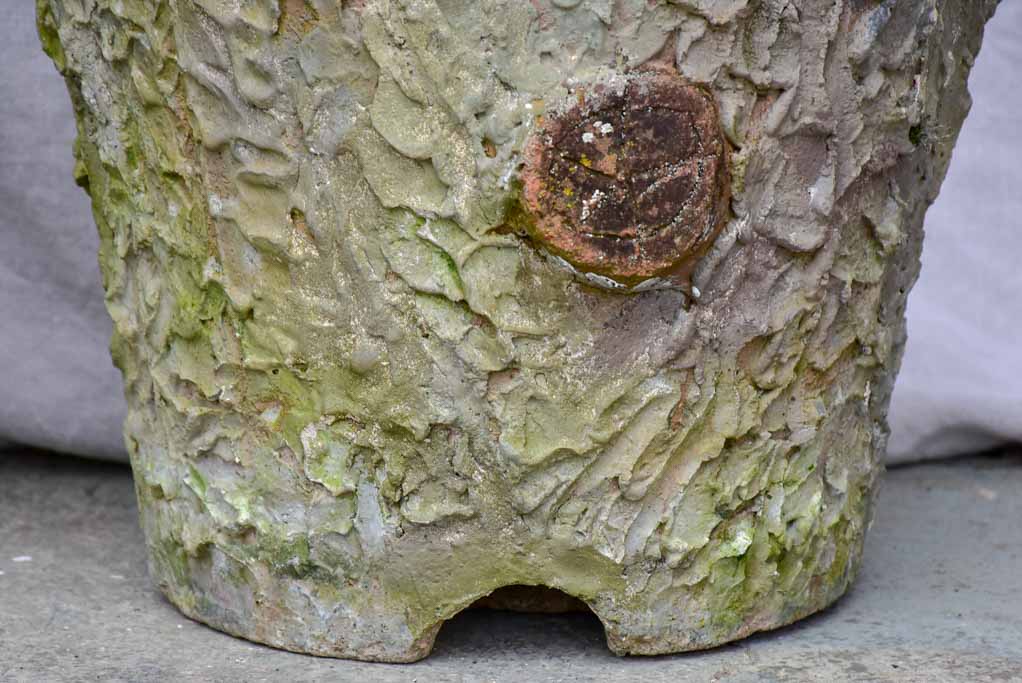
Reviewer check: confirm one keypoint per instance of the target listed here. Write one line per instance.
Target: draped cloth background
(960, 388)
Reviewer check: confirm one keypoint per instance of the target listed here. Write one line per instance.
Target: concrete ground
(939, 599)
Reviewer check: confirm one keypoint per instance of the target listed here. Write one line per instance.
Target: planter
(418, 300)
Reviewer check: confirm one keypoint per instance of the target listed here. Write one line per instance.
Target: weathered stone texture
(363, 395)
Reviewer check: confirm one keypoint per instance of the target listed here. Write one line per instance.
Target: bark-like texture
(361, 397)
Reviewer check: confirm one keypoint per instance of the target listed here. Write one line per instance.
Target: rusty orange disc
(630, 183)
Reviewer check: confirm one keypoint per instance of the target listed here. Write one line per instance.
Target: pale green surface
(357, 404)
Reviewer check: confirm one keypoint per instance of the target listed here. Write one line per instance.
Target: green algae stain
(48, 35)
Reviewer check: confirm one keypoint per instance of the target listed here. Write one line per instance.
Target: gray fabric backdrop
(959, 389)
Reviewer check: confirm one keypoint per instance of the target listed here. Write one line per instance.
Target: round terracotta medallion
(631, 182)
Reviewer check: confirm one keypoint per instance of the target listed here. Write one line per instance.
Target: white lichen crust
(358, 402)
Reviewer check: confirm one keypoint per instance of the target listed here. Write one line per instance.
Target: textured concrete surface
(939, 599)
(70, 395)
(369, 377)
